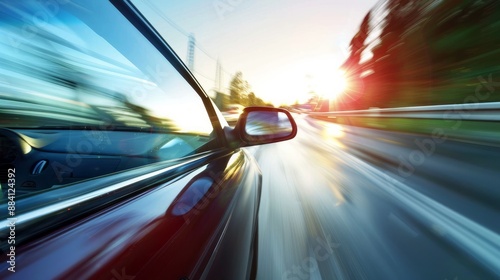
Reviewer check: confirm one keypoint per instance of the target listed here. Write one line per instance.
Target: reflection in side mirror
(268, 123)
(261, 125)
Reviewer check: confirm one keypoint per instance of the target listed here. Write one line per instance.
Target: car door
(182, 225)
(120, 166)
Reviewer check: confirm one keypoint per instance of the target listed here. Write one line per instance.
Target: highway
(341, 202)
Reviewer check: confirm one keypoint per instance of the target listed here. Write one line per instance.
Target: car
(115, 163)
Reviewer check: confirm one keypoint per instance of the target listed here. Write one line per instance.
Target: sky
(284, 48)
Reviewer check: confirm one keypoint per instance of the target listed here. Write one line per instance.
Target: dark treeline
(240, 93)
(414, 53)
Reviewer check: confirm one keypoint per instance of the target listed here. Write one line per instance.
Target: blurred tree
(386, 65)
(237, 88)
(352, 66)
(427, 52)
(240, 93)
(221, 100)
(357, 45)
(252, 99)
(465, 46)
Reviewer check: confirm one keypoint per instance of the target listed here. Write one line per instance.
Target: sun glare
(326, 79)
(299, 81)
(338, 83)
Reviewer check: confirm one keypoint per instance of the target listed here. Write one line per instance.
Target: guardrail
(489, 111)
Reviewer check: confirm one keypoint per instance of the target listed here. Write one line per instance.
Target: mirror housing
(263, 125)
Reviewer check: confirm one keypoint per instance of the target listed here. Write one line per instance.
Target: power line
(177, 27)
(163, 16)
(203, 75)
(191, 46)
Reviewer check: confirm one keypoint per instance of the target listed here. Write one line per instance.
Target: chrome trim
(37, 215)
(39, 167)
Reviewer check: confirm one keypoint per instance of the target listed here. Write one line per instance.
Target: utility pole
(218, 76)
(190, 58)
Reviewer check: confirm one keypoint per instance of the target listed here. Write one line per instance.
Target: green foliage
(236, 88)
(238, 94)
(426, 53)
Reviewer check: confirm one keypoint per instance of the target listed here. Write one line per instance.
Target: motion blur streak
(411, 53)
(343, 211)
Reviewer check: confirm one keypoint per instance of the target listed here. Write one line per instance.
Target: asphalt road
(341, 202)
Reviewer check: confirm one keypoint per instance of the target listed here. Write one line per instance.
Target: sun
(338, 83)
(326, 78)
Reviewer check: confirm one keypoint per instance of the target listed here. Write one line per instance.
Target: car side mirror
(264, 125)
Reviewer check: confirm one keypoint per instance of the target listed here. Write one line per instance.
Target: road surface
(342, 202)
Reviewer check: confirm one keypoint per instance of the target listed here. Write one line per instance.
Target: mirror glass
(268, 123)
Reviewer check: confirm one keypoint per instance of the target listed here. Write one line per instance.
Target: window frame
(139, 21)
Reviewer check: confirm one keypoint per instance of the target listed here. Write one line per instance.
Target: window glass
(84, 82)
(73, 62)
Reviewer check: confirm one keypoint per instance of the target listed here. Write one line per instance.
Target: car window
(82, 90)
